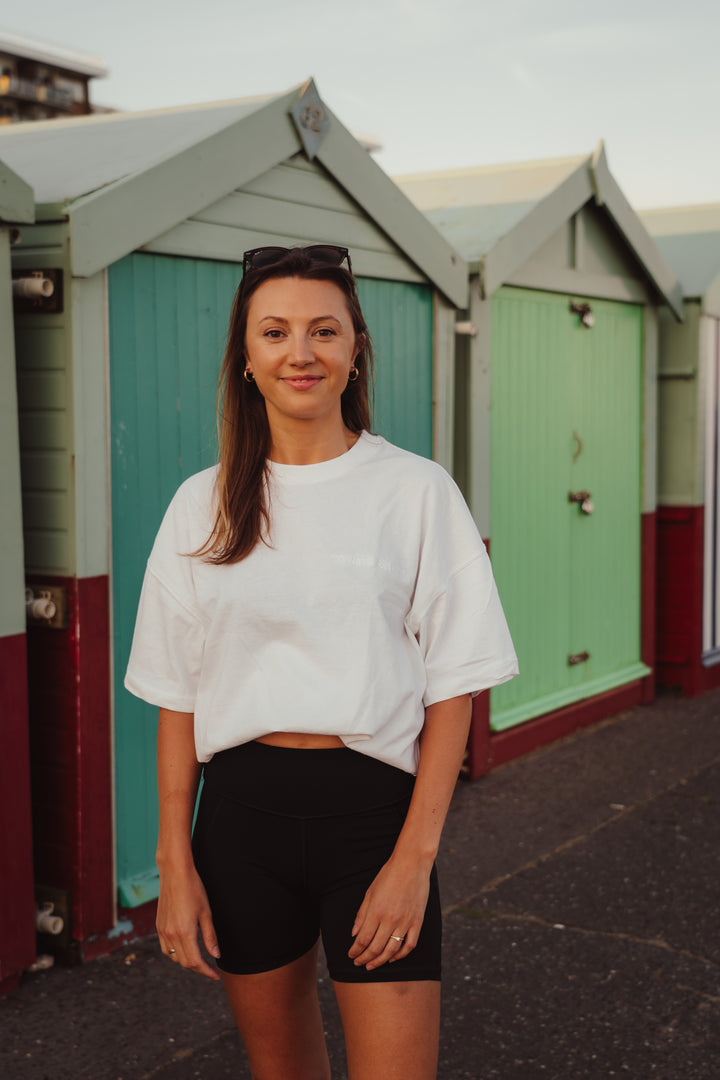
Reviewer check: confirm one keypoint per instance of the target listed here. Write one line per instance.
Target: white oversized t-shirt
(372, 599)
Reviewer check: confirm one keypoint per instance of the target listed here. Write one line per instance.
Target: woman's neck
(308, 444)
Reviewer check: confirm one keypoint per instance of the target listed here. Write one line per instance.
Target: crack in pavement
(566, 845)
(658, 943)
(700, 993)
(187, 1052)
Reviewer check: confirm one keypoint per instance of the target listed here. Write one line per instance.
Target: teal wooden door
(400, 320)
(168, 323)
(566, 418)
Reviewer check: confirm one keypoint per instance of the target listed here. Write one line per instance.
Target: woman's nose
(300, 353)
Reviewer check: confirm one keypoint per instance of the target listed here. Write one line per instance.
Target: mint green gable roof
(88, 153)
(689, 238)
(124, 179)
(498, 216)
(476, 208)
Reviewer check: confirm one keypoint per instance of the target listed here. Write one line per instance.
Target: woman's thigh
(278, 1016)
(391, 1029)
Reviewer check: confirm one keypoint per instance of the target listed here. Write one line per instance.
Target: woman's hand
(394, 907)
(183, 903)
(182, 908)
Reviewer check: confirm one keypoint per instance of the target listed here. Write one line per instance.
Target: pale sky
(440, 83)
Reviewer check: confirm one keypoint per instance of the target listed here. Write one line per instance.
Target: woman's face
(300, 345)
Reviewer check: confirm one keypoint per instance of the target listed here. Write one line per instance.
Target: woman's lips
(303, 382)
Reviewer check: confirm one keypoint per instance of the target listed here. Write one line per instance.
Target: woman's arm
(395, 902)
(182, 904)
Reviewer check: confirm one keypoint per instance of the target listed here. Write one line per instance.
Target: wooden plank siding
(710, 366)
(17, 930)
(43, 344)
(12, 608)
(167, 324)
(400, 319)
(296, 202)
(567, 416)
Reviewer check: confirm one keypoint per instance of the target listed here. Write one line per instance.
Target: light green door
(168, 324)
(566, 420)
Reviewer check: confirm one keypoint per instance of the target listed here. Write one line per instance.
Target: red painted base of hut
(681, 542)
(487, 749)
(70, 755)
(17, 899)
(131, 924)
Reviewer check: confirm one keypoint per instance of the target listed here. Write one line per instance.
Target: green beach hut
(555, 431)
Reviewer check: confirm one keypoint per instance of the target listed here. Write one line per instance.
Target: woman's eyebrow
(317, 319)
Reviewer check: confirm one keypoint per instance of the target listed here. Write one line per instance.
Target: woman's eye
(325, 331)
(273, 334)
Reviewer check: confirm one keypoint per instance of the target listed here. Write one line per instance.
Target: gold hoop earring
(248, 375)
(353, 374)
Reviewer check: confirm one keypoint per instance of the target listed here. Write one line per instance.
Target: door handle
(582, 498)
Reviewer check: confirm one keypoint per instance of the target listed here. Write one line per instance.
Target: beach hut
(688, 551)
(555, 431)
(142, 219)
(17, 905)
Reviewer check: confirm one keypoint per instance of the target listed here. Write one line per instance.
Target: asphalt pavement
(581, 889)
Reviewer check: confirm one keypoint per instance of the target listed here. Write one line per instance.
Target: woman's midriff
(301, 741)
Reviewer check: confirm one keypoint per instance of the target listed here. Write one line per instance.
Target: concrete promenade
(581, 886)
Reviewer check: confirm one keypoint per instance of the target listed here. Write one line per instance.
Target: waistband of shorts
(305, 783)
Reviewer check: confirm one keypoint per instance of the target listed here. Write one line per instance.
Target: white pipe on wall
(29, 288)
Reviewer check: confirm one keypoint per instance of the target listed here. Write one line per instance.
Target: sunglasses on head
(321, 254)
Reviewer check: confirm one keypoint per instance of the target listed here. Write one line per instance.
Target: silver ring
(394, 937)
(170, 952)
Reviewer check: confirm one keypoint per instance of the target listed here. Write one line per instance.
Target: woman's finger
(393, 947)
(378, 944)
(208, 934)
(185, 951)
(411, 940)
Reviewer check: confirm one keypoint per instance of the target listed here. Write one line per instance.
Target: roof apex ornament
(311, 119)
(597, 161)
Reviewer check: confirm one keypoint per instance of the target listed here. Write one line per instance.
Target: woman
(317, 612)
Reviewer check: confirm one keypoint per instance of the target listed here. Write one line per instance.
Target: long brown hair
(242, 518)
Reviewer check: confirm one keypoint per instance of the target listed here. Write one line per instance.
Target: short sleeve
(456, 615)
(167, 649)
(168, 642)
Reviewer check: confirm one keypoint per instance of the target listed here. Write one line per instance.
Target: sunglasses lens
(259, 258)
(327, 254)
(323, 254)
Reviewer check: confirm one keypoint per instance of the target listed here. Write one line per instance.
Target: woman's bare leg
(278, 1015)
(392, 1029)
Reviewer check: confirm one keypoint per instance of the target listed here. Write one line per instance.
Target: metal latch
(583, 499)
(585, 312)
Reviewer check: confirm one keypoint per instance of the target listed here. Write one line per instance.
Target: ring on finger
(170, 952)
(394, 937)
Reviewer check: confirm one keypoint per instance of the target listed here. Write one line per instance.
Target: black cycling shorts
(287, 842)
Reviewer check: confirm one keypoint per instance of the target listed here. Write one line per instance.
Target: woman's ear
(360, 341)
